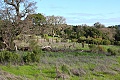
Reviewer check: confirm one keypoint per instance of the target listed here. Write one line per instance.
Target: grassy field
(70, 65)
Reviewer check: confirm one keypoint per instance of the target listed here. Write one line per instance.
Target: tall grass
(96, 66)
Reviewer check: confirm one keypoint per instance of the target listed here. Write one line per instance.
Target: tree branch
(10, 3)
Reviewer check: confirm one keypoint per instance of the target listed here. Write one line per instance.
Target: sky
(79, 12)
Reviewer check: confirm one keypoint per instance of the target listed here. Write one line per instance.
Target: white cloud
(107, 21)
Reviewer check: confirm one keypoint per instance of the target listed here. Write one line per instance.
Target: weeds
(71, 65)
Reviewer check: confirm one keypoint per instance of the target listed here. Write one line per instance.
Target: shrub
(92, 47)
(74, 40)
(106, 42)
(64, 40)
(7, 56)
(15, 58)
(94, 41)
(118, 51)
(101, 49)
(117, 43)
(57, 40)
(34, 46)
(111, 51)
(88, 40)
(2, 45)
(45, 36)
(29, 57)
(65, 69)
(112, 42)
(81, 39)
(96, 48)
(26, 57)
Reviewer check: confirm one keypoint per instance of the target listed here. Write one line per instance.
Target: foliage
(96, 48)
(29, 57)
(99, 25)
(81, 39)
(101, 49)
(112, 51)
(74, 40)
(64, 40)
(117, 43)
(92, 47)
(9, 57)
(33, 56)
(55, 23)
(38, 19)
(65, 69)
(106, 42)
(45, 36)
(33, 44)
(15, 58)
(117, 35)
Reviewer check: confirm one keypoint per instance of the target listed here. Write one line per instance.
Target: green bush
(112, 51)
(33, 44)
(45, 36)
(57, 40)
(118, 43)
(65, 69)
(106, 42)
(7, 56)
(119, 52)
(74, 40)
(29, 57)
(96, 48)
(92, 47)
(15, 58)
(81, 39)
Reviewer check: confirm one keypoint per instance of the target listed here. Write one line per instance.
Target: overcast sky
(79, 12)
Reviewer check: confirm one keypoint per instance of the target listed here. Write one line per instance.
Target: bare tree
(13, 14)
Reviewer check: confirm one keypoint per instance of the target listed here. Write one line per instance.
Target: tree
(39, 23)
(99, 25)
(13, 13)
(38, 19)
(117, 35)
(55, 22)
